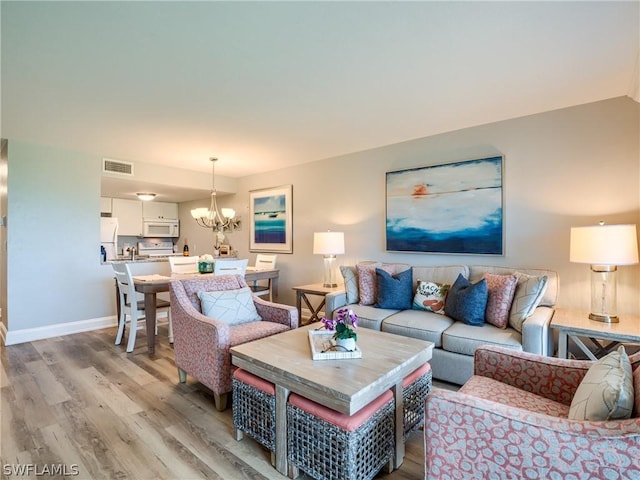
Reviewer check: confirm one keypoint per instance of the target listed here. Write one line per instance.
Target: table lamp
(328, 244)
(604, 247)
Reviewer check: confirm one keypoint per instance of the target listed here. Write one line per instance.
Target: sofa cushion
(464, 339)
(467, 302)
(350, 276)
(367, 280)
(501, 290)
(440, 274)
(370, 316)
(430, 296)
(496, 391)
(418, 324)
(529, 292)
(229, 306)
(394, 291)
(606, 391)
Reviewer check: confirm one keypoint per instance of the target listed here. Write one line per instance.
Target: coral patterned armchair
(201, 343)
(510, 420)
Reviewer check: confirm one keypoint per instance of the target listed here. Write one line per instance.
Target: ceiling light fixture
(145, 196)
(214, 218)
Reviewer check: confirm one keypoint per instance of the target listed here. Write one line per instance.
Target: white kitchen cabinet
(159, 211)
(105, 205)
(129, 215)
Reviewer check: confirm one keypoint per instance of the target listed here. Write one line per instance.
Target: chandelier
(212, 217)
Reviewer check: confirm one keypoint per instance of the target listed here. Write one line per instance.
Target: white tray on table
(322, 345)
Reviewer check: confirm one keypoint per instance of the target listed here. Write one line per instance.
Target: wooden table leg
(299, 306)
(314, 310)
(563, 344)
(282, 394)
(150, 316)
(399, 454)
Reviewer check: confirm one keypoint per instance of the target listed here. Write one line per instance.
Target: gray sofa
(455, 342)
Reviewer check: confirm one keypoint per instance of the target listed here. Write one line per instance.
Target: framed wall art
(271, 219)
(448, 208)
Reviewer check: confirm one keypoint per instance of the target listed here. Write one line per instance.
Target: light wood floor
(81, 402)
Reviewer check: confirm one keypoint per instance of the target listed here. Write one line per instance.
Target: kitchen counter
(139, 259)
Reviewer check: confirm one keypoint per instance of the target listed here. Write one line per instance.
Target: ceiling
(267, 85)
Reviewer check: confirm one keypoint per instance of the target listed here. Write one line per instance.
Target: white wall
(53, 269)
(564, 168)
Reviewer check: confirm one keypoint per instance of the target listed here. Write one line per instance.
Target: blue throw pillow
(394, 291)
(467, 302)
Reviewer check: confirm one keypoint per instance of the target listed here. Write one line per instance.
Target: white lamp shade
(200, 213)
(604, 245)
(228, 212)
(328, 243)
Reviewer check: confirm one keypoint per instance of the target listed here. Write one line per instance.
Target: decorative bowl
(205, 267)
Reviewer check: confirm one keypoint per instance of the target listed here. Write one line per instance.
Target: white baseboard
(14, 337)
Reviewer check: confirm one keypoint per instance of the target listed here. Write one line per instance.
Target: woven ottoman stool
(415, 388)
(326, 444)
(254, 409)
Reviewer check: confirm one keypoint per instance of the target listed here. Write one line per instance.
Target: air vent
(117, 166)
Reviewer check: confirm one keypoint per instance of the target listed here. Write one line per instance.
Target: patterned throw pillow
(501, 290)
(230, 306)
(606, 391)
(350, 276)
(394, 291)
(430, 296)
(367, 280)
(467, 301)
(529, 292)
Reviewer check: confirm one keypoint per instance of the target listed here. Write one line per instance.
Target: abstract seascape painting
(271, 213)
(448, 208)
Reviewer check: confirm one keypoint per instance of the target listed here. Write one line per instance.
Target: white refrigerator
(109, 236)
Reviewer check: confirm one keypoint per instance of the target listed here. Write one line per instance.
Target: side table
(574, 324)
(313, 289)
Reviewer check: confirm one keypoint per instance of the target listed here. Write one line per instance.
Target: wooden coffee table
(343, 385)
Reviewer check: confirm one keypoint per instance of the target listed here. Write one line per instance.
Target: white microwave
(160, 228)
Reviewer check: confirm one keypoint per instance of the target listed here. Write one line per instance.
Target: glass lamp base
(328, 281)
(603, 294)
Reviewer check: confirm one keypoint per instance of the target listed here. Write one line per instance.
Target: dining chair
(264, 262)
(133, 308)
(184, 264)
(230, 267)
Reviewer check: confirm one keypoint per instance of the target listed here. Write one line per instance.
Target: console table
(572, 324)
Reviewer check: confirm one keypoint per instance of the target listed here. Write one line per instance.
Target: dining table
(151, 285)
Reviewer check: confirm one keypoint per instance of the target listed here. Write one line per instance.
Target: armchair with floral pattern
(510, 421)
(201, 344)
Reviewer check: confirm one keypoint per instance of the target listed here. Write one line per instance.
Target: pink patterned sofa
(201, 344)
(510, 421)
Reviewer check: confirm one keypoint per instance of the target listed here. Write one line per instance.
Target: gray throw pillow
(350, 276)
(606, 391)
(230, 306)
(529, 292)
